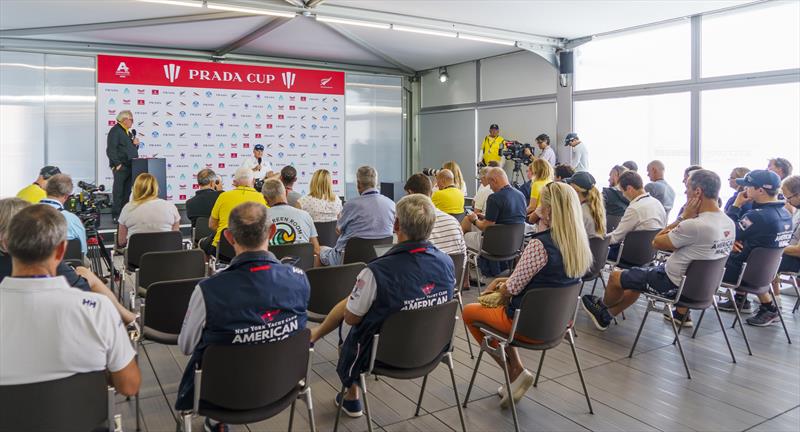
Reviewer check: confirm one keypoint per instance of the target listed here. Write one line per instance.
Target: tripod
(517, 178)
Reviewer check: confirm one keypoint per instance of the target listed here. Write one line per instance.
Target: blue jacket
(767, 225)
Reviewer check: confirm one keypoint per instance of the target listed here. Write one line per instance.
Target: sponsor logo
(140, 102)
(324, 83)
(221, 165)
(288, 79)
(123, 71)
(172, 72)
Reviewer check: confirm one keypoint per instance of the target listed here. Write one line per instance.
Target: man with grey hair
(122, 146)
(413, 274)
(209, 188)
(483, 192)
(48, 330)
(59, 188)
(658, 188)
(254, 300)
(369, 216)
(293, 225)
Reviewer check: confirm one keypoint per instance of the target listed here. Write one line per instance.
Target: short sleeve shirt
(449, 200)
(321, 210)
(293, 225)
(150, 216)
(251, 162)
(506, 206)
(227, 201)
(536, 188)
(709, 236)
(32, 193)
(83, 331)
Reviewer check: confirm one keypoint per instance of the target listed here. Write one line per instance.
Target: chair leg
(639, 333)
(187, 422)
(291, 415)
(466, 330)
(138, 410)
(363, 381)
(724, 333)
(594, 284)
(580, 371)
(339, 410)
(700, 320)
(780, 315)
(478, 272)
(739, 319)
(474, 373)
(449, 358)
(796, 291)
(508, 387)
(680, 348)
(421, 392)
(306, 395)
(539, 369)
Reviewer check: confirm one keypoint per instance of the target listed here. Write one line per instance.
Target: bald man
(449, 198)
(658, 187)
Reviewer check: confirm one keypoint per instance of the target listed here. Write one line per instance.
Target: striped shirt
(447, 235)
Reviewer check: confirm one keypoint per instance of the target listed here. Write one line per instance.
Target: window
(748, 126)
(750, 40)
(658, 54)
(641, 128)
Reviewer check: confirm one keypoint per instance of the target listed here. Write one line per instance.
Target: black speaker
(565, 64)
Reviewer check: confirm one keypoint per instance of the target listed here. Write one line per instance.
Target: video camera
(87, 204)
(430, 172)
(515, 151)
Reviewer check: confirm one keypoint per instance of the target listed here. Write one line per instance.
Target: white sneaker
(518, 388)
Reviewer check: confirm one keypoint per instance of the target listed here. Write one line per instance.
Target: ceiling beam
(369, 47)
(313, 3)
(273, 24)
(296, 3)
(114, 25)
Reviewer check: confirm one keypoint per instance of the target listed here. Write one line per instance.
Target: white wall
(449, 136)
(517, 75)
(459, 88)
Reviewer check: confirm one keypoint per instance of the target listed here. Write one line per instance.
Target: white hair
(244, 174)
(125, 114)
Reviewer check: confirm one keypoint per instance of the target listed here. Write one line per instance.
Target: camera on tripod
(430, 172)
(515, 151)
(87, 204)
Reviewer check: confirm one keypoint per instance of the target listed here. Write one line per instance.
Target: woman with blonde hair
(321, 203)
(737, 173)
(556, 257)
(593, 209)
(541, 173)
(458, 178)
(146, 212)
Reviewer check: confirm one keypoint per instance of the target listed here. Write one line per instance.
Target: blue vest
(412, 275)
(255, 300)
(766, 225)
(552, 275)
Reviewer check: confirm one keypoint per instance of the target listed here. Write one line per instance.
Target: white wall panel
(449, 136)
(459, 88)
(517, 75)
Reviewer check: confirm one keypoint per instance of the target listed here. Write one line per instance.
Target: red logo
(234, 155)
(139, 91)
(222, 165)
(155, 92)
(258, 135)
(140, 102)
(302, 98)
(291, 107)
(270, 314)
(727, 233)
(112, 122)
(195, 186)
(335, 181)
(269, 126)
(246, 145)
(428, 288)
(280, 116)
(183, 197)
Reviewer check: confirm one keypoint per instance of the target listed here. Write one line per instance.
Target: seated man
(411, 275)
(48, 330)
(449, 198)
(483, 192)
(289, 177)
(791, 254)
(614, 199)
(446, 234)
(293, 225)
(58, 189)
(658, 188)
(241, 193)
(209, 189)
(34, 192)
(368, 216)
(255, 299)
(767, 225)
(644, 213)
(702, 232)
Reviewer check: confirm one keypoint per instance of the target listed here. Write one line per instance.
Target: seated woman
(321, 203)
(541, 174)
(594, 212)
(556, 257)
(146, 212)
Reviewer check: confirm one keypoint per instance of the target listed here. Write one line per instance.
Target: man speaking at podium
(122, 147)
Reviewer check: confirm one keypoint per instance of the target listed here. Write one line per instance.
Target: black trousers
(121, 191)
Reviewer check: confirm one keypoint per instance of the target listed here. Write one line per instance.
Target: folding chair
(460, 266)
(329, 285)
(498, 243)
(362, 250)
(326, 233)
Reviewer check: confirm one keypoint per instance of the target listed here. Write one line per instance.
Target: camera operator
(59, 188)
(547, 153)
(492, 146)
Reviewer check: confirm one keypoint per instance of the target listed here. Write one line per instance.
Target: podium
(155, 166)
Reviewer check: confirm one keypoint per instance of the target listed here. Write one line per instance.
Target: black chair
(302, 254)
(141, 243)
(410, 345)
(599, 248)
(74, 255)
(167, 266)
(362, 250)
(756, 278)
(793, 280)
(201, 230)
(80, 402)
(636, 250)
(225, 251)
(161, 316)
(545, 315)
(460, 266)
(329, 285)
(498, 243)
(326, 233)
(611, 223)
(240, 384)
(696, 291)
(459, 216)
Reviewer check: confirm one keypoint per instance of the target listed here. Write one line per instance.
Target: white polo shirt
(49, 331)
(251, 163)
(644, 213)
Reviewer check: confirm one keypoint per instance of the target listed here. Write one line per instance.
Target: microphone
(133, 134)
(259, 161)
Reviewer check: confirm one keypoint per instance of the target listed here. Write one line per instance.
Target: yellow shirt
(449, 200)
(32, 193)
(491, 148)
(536, 188)
(227, 201)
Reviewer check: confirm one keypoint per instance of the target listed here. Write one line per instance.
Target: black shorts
(651, 280)
(789, 264)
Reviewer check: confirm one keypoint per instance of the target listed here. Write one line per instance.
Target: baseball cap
(570, 136)
(494, 126)
(764, 179)
(49, 171)
(258, 147)
(583, 179)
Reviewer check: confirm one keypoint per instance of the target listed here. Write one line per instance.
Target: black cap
(570, 136)
(761, 179)
(583, 179)
(49, 171)
(494, 126)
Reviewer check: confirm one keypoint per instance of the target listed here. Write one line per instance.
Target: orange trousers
(493, 317)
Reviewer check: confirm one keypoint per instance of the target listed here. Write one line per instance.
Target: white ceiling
(306, 39)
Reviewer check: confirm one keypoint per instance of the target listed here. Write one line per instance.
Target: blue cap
(570, 136)
(258, 147)
(764, 179)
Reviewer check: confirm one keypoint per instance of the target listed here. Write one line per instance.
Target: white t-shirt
(580, 157)
(588, 221)
(293, 225)
(321, 210)
(49, 331)
(479, 201)
(150, 216)
(251, 162)
(549, 155)
(644, 213)
(708, 236)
